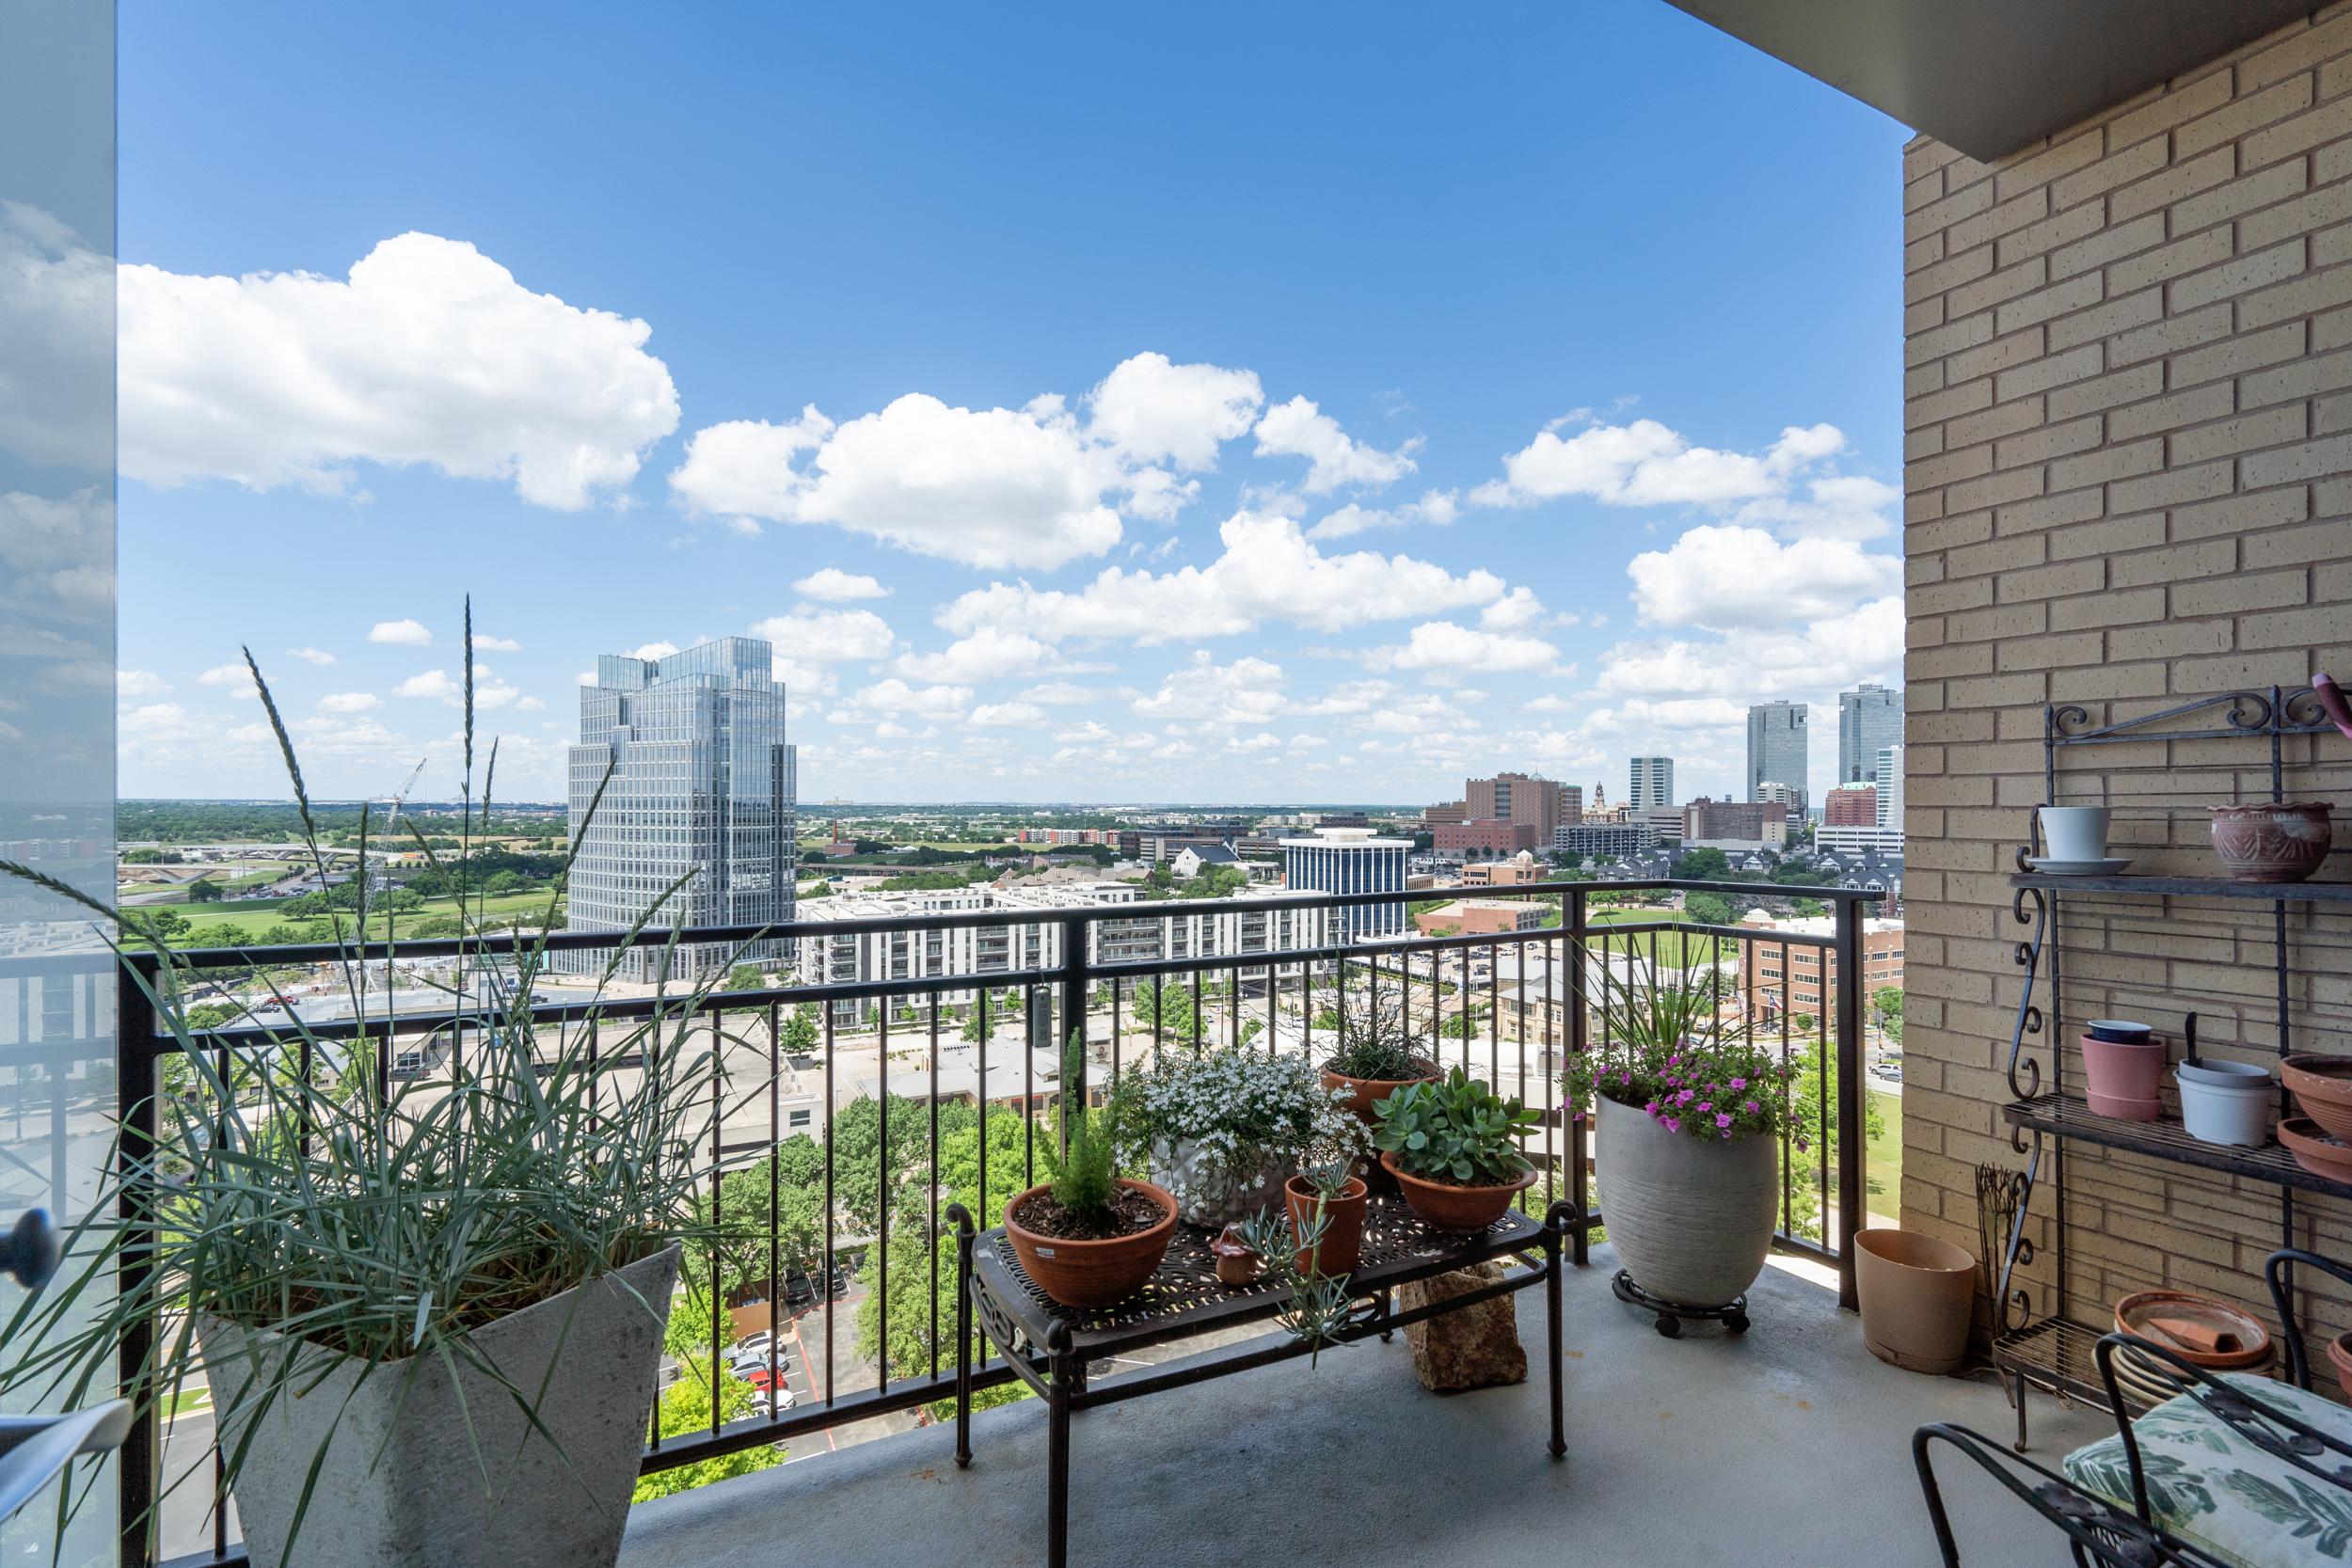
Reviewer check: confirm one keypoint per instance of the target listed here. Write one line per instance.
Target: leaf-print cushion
(2210, 1487)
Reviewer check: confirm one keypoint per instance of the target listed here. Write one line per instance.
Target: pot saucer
(2050, 866)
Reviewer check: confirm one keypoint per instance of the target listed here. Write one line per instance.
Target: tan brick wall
(2128, 416)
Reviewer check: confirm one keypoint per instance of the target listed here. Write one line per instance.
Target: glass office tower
(699, 795)
(1350, 860)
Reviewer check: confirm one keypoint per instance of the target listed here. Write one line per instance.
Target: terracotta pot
(2121, 1079)
(2322, 1085)
(1343, 1244)
(1364, 1093)
(2315, 1149)
(1917, 1296)
(2340, 1358)
(1445, 1207)
(1092, 1274)
(2199, 1330)
(2268, 843)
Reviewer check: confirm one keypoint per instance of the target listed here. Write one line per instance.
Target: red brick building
(1485, 835)
(1852, 806)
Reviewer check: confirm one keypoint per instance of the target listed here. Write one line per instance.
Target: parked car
(772, 1404)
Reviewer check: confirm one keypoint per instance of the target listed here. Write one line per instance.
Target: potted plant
(1090, 1237)
(1689, 1111)
(1224, 1128)
(1375, 1055)
(430, 1312)
(1327, 1205)
(1453, 1148)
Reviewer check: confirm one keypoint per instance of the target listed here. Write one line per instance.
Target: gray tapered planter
(1691, 1218)
(400, 1484)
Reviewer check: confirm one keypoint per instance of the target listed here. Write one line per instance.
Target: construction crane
(401, 799)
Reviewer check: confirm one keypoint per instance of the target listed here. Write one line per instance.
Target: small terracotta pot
(2322, 1087)
(2340, 1358)
(1092, 1274)
(1364, 1093)
(2122, 1078)
(1917, 1294)
(2315, 1150)
(1343, 1244)
(1445, 1207)
(2268, 843)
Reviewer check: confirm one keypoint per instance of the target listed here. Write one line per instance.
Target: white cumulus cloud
(1299, 428)
(1203, 692)
(412, 634)
(834, 586)
(430, 353)
(1724, 575)
(350, 702)
(1443, 648)
(1150, 410)
(311, 655)
(1268, 571)
(429, 682)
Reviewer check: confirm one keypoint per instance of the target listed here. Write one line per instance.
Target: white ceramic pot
(2076, 833)
(1691, 1218)
(400, 1483)
(1206, 1196)
(2227, 1102)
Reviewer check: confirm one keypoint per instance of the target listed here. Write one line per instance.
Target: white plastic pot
(2226, 1102)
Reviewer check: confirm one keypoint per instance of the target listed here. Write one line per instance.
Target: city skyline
(1040, 493)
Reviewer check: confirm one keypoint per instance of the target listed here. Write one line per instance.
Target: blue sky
(1239, 403)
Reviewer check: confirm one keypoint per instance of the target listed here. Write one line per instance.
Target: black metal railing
(1509, 1006)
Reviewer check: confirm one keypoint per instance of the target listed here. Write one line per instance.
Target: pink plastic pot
(2121, 1079)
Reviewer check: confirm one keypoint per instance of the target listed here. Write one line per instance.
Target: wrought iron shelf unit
(2189, 887)
(2065, 1115)
(2048, 1349)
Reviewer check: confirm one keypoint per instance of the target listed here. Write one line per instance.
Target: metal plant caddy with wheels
(1672, 1315)
(1048, 1346)
(2049, 1350)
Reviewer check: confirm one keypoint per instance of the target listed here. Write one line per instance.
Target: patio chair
(2233, 1470)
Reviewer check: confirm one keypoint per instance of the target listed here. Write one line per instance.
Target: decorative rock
(1477, 1347)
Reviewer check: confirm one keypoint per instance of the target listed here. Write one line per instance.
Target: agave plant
(291, 1187)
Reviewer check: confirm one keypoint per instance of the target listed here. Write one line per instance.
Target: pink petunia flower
(1722, 1119)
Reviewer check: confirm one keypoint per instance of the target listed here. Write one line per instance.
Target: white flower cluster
(1242, 1111)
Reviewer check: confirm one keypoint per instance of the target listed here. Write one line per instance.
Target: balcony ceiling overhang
(1991, 76)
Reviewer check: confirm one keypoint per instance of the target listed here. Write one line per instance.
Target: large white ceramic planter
(1691, 1218)
(1204, 1196)
(400, 1484)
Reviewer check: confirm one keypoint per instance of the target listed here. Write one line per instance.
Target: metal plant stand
(2241, 742)
(1049, 1347)
(1672, 1315)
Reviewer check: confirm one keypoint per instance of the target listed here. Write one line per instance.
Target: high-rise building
(1869, 720)
(1350, 860)
(1541, 803)
(1653, 783)
(1890, 801)
(698, 792)
(1777, 750)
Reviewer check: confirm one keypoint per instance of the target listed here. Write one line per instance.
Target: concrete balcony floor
(1789, 1446)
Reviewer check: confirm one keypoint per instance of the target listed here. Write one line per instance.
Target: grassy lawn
(256, 914)
(1885, 1165)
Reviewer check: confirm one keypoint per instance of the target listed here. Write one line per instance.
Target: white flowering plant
(1241, 1111)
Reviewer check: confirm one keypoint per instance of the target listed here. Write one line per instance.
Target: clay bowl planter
(2207, 1334)
(1917, 1294)
(1463, 1210)
(1364, 1093)
(1092, 1274)
(2322, 1085)
(2268, 843)
(2315, 1149)
(1343, 1244)
(2340, 1358)
(2120, 1077)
